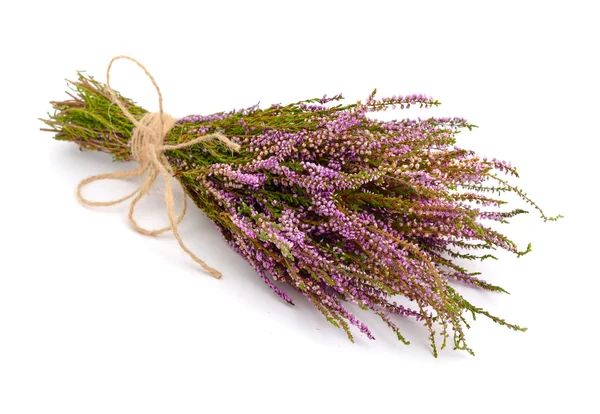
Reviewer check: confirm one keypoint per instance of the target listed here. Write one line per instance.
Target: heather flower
(326, 199)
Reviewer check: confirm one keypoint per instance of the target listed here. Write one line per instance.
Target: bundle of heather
(323, 198)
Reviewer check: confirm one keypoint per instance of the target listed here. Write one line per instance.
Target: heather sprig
(334, 203)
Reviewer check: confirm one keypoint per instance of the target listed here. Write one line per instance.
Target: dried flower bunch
(336, 204)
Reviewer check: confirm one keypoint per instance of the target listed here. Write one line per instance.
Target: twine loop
(148, 149)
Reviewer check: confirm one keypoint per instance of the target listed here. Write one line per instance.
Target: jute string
(148, 149)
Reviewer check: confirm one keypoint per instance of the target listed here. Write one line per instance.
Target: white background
(95, 318)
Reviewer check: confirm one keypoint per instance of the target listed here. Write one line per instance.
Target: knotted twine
(148, 149)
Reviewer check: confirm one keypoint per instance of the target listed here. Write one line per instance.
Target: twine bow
(148, 149)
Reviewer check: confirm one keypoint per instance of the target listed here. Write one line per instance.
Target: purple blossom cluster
(347, 208)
